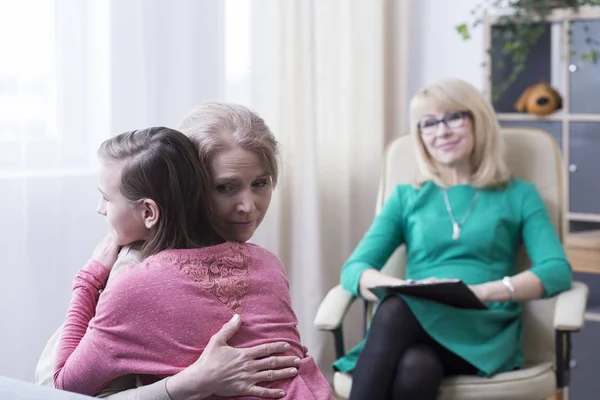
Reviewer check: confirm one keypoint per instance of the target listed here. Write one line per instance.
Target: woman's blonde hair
(488, 157)
(215, 126)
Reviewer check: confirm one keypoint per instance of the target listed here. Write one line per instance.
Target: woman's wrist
(496, 291)
(506, 281)
(181, 386)
(371, 278)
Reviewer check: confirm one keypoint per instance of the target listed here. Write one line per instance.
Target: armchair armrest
(570, 308)
(333, 308)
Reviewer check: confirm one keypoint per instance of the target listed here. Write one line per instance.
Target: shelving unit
(577, 130)
(577, 126)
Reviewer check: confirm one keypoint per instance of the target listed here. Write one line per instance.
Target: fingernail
(282, 394)
(293, 371)
(287, 346)
(297, 361)
(235, 318)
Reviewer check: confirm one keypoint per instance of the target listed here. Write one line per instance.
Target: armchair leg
(563, 365)
(340, 348)
(338, 334)
(365, 317)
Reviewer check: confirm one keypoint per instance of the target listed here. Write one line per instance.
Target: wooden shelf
(575, 127)
(590, 316)
(558, 116)
(556, 15)
(583, 217)
(529, 117)
(584, 240)
(582, 118)
(583, 251)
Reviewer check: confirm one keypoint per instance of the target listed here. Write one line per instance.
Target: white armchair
(533, 155)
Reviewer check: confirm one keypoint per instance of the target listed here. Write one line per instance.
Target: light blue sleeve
(378, 244)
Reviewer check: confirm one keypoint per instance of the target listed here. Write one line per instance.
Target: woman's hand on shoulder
(106, 251)
(227, 371)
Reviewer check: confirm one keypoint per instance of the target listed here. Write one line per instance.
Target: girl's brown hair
(161, 164)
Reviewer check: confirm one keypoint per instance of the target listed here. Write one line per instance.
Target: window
(46, 127)
(237, 51)
(76, 72)
(27, 73)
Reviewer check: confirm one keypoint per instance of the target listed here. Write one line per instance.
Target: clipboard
(452, 292)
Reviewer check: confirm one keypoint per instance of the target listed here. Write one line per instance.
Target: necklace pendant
(455, 231)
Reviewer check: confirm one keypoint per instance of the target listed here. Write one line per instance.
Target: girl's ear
(150, 213)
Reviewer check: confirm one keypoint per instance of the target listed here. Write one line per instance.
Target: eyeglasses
(453, 120)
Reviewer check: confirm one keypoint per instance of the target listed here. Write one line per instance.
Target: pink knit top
(155, 318)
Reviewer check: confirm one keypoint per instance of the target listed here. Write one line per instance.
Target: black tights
(400, 361)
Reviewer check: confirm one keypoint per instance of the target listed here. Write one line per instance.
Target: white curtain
(327, 77)
(74, 72)
(325, 74)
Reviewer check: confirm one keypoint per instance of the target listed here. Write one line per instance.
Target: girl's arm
(87, 286)
(75, 334)
(44, 372)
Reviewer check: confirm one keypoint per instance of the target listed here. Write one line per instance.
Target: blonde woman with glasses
(465, 217)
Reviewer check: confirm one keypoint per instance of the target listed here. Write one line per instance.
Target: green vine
(520, 30)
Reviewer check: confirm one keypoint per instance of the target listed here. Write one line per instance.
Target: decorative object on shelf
(539, 99)
(526, 21)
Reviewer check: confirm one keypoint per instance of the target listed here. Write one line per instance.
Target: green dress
(500, 221)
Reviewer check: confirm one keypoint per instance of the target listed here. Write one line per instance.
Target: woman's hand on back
(227, 371)
(106, 251)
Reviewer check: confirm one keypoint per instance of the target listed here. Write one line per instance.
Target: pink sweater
(156, 317)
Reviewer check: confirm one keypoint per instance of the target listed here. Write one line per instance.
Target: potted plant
(525, 21)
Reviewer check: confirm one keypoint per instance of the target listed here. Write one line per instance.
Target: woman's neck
(456, 174)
